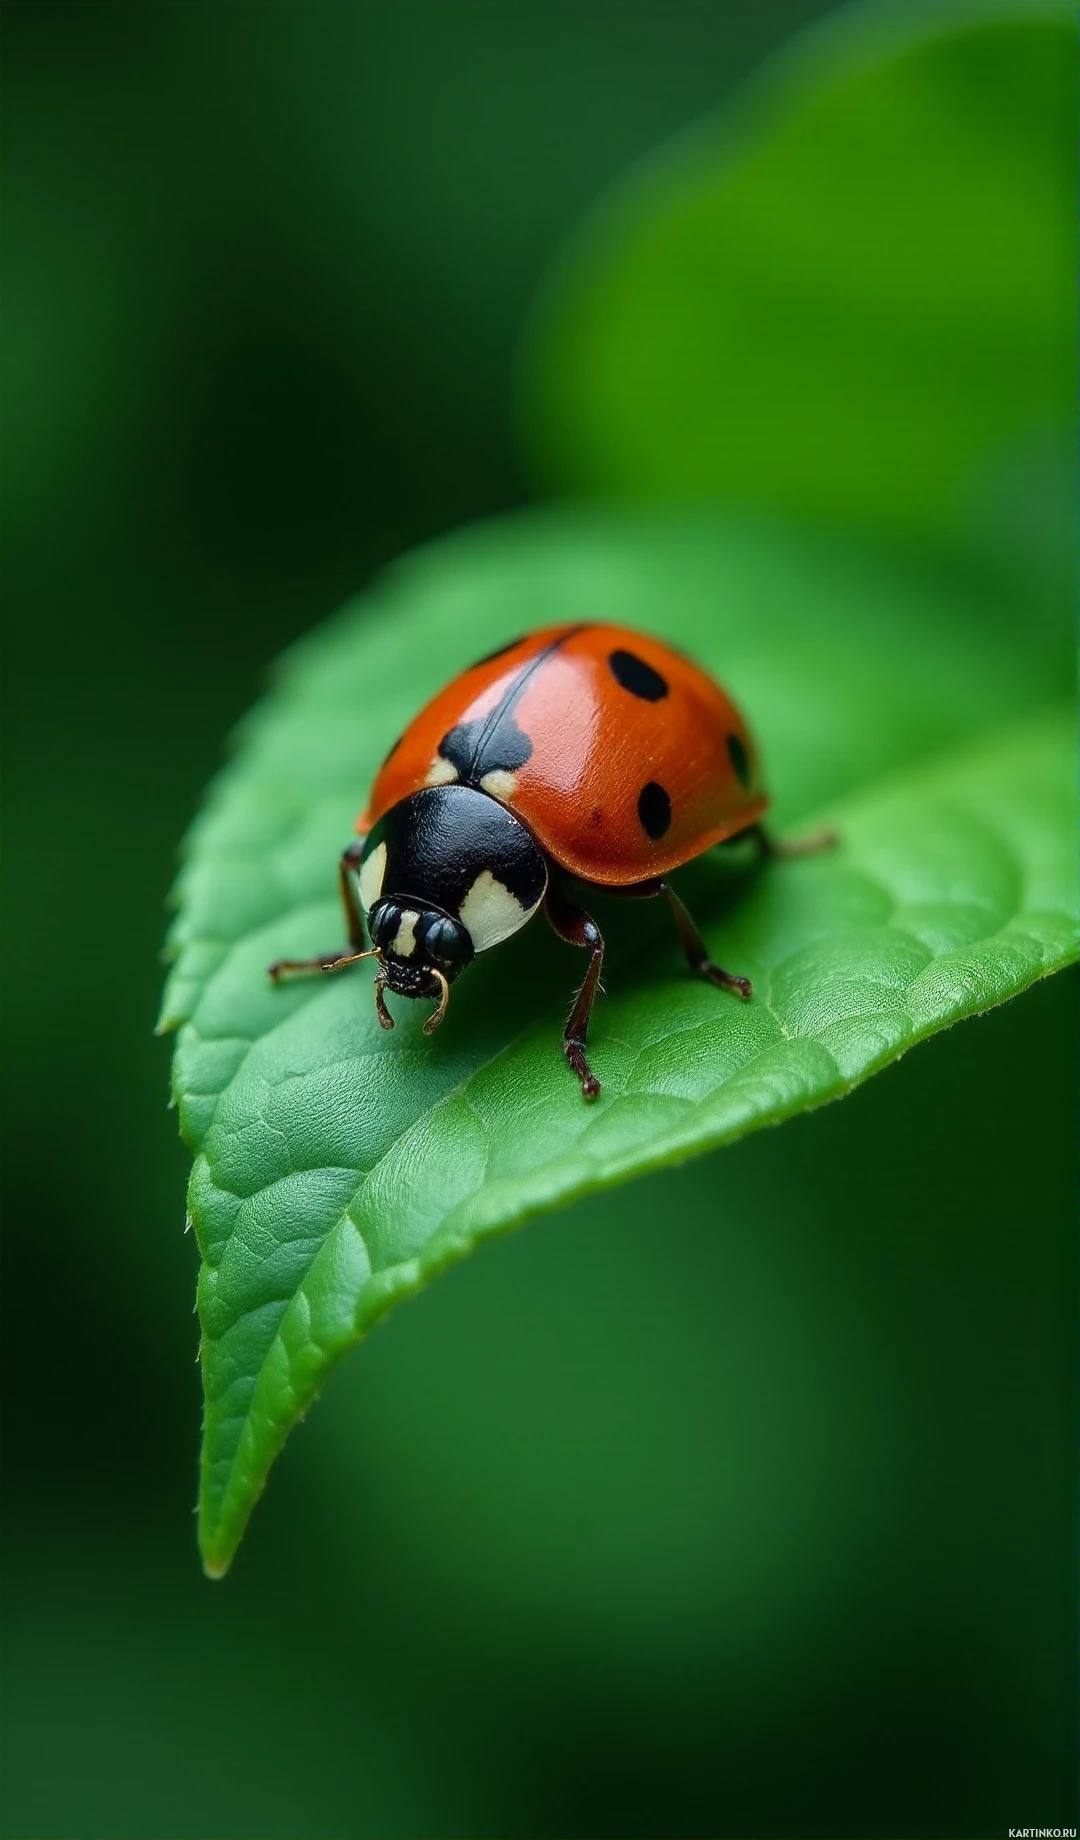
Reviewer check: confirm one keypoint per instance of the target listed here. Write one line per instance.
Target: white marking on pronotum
(440, 772)
(491, 913)
(404, 940)
(500, 783)
(372, 870)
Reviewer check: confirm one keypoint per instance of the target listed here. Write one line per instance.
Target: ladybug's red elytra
(587, 753)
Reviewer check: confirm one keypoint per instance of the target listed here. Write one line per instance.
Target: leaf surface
(847, 295)
(337, 1169)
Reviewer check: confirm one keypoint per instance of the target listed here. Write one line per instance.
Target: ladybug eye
(444, 942)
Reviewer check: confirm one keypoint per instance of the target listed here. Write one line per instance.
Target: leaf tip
(214, 1565)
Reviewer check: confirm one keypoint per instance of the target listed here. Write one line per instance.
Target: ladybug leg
(774, 851)
(348, 864)
(354, 922)
(578, 929)
(697, 952)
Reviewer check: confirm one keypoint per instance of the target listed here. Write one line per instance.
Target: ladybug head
(421, 951)
(444, 874)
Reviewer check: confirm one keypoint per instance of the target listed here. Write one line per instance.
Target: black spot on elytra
(636, 676)
(739, 758)
(494, 743)
(475, 749)
(490, 657)
(654, 809)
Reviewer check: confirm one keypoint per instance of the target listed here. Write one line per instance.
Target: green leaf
(337, 1169)
(849, 294)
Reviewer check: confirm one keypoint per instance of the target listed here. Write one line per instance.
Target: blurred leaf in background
(848, 296)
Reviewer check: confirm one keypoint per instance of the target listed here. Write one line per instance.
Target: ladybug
(584, 753)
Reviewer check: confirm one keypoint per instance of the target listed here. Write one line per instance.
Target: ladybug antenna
(436, 1017)
(290, 967)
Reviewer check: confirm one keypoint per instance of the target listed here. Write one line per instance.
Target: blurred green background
(781, 1547)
